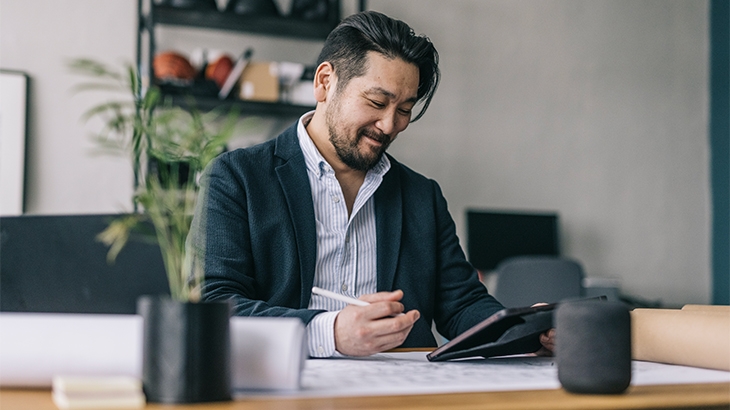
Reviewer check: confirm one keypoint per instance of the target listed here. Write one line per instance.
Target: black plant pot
(186, 350)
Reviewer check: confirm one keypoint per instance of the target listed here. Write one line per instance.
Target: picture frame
(13, 129)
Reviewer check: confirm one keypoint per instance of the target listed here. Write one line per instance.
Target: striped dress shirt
(346, 244)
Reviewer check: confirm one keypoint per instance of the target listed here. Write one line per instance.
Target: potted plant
(186, 342)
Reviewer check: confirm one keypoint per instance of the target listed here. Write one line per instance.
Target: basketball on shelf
(171, 65)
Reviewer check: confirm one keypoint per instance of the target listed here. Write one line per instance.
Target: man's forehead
(379, 66)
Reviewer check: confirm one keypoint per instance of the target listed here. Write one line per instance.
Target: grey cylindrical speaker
(593, 346)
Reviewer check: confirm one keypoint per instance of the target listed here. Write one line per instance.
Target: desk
(705, 396)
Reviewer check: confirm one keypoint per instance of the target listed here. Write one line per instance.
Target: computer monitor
(494, 236)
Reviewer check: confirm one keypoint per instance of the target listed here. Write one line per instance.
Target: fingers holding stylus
(366, 330)
(371, 324)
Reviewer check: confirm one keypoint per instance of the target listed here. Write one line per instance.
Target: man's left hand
(547, 340)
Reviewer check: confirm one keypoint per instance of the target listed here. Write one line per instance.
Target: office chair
(525, 280)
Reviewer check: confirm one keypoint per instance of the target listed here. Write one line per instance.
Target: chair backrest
(54, 264)
(525, 280)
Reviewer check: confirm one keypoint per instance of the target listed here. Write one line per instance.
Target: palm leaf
(147, 126)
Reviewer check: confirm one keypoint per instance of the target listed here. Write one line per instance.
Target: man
(323, 205)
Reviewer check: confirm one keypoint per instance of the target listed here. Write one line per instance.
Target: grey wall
(595, 109)
(38, 37)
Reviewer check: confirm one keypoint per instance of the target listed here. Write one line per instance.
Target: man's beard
(348, 151)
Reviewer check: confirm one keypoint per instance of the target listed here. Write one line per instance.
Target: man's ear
(324, 80)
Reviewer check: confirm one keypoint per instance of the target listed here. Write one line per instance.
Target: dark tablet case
(507, 332)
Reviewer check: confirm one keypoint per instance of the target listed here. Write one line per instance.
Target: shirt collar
(312, 158)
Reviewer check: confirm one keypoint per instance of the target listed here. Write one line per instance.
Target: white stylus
(342, 298)
(337, 296)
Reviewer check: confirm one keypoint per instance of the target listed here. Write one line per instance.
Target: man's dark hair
(347, 45)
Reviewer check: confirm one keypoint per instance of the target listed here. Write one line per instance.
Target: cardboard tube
(685, 337)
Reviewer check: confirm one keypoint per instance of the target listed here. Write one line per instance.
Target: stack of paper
(110, 392)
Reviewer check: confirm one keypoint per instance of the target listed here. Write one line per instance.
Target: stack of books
(108, 392)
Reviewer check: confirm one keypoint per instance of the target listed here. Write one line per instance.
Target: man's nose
(388, 122)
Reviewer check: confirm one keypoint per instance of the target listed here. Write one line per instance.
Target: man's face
(367, 115)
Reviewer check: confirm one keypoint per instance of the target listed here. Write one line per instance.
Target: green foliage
(151, 131)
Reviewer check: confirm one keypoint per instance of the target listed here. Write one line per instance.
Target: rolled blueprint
(690, 337)
(37, 346)
(267, 353)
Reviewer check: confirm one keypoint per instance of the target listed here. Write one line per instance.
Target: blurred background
(597, 111)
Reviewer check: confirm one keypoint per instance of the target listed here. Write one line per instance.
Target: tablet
(509, 331)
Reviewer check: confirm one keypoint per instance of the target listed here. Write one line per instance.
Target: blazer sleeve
(462, 300)
(223, 241)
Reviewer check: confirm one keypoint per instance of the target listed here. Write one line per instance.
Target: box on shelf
(260, 82)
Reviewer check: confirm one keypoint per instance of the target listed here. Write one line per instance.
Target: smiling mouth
(375, 139)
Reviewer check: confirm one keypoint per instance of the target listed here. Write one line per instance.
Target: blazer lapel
(292, 176)
(388, 225)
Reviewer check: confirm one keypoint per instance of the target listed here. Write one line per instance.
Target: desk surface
(706, 396)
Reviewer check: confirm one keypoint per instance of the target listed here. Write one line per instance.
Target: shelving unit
(244, 107)
(268, 25)
(153, 15)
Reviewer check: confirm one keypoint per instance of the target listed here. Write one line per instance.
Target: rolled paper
(267, 353)
(36, 347)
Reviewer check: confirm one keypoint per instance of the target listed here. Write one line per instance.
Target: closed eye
(377, 104)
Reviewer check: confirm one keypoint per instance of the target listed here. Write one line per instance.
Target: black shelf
(219, 20)
(159, 15)
(257, 108)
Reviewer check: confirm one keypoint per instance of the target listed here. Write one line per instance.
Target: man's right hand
(366, 330)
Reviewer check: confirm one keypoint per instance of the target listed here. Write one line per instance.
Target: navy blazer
(254, 230)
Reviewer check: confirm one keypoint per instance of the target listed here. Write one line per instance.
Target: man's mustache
(377, 136)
